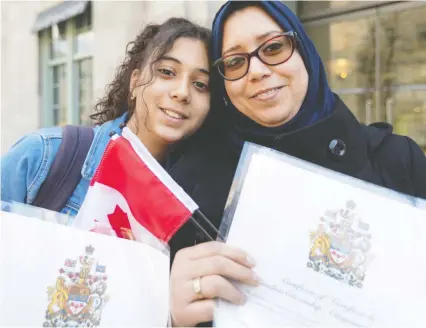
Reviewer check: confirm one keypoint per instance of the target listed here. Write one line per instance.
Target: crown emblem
(350, 204)
(89, 250)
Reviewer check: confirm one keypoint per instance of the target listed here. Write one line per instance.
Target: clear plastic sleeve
(331, 250)
(60, 276)
(251, 149)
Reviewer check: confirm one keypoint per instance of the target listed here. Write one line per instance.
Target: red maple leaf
(120, 223)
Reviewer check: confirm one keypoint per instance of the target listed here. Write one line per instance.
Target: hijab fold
(318, 103)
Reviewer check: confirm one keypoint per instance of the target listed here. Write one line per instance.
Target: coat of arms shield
(79, 295)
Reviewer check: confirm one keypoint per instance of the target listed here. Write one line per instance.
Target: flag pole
(198, 214)
(201, 228)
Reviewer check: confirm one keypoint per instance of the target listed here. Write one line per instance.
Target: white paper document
(330, 252)
(57, 276)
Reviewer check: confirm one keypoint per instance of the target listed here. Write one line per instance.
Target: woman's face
(176, 102)
(269, 95)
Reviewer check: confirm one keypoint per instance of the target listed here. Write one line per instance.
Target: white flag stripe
(158, 170)
(97, 205)
(110, 198)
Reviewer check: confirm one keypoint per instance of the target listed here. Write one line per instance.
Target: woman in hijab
(270, 88)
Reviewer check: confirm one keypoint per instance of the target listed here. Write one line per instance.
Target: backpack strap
(65, 172)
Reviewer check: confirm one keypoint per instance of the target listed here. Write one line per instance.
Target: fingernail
(251, 261)
(255, 277)
(242, 299)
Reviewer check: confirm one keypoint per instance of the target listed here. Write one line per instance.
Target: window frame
(379, 109)
(70, 60)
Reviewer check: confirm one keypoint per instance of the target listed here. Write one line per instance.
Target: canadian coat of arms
(78, 298)
(340, 246)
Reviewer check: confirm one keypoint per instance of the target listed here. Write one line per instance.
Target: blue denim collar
(100, 141)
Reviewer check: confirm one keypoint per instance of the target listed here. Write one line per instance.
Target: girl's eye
(165, 71)
(201, 86)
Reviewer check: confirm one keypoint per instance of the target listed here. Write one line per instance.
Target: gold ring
(196, 285)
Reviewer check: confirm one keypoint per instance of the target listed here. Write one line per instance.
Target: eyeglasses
(273, 51)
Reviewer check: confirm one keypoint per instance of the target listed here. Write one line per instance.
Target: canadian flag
(131, 194)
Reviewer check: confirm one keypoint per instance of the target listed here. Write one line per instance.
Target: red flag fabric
(131, 190)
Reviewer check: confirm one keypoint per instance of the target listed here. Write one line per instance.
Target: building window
(59, 95)
(84, 69)
(315, 9)
(376, 62)
(66, 70)
(421, 34)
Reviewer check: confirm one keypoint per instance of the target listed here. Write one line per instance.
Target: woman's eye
(200, 85)
(273, 47)
(165, 71)
(235, 62)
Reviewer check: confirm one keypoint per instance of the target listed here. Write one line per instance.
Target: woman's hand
(199, 274)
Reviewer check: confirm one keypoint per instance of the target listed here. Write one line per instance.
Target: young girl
(160, 91)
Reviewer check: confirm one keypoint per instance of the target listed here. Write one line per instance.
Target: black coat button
(337, 148)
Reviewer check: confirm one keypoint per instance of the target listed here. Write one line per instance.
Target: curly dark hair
(150, 45)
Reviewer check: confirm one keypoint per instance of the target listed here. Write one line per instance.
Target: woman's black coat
(339, 142)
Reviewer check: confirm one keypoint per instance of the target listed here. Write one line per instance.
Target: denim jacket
(26, 165)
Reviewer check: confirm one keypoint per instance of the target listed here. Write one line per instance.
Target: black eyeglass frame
(255, 53)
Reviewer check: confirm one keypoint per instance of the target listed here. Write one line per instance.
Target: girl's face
(177, 100)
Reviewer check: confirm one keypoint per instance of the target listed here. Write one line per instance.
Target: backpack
(65, 173)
